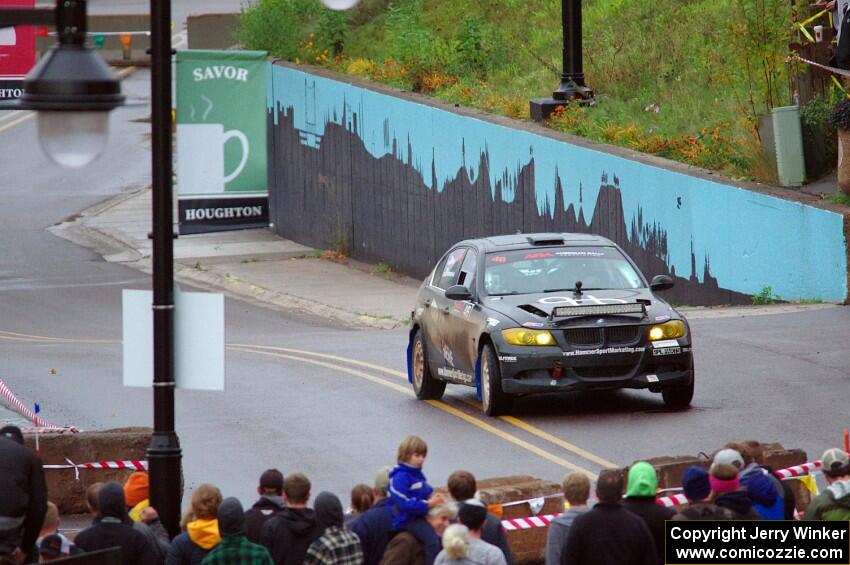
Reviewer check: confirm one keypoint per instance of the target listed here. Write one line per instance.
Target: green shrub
(765, 296)
(275, 25)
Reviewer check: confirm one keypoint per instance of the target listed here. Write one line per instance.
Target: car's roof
(530, 240)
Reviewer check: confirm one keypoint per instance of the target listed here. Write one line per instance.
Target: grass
(682, 80)
(839, 198)
(382, 268)
(765, 296)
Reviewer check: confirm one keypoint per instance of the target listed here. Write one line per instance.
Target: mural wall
(400, 182)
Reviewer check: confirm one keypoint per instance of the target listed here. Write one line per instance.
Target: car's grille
(584, 336)
(603, 372)
(613, 335)
(618, 335)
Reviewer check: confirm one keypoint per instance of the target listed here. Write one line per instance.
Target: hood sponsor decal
(588, 299)
(534, 325)
(492, 322)
(603, 351)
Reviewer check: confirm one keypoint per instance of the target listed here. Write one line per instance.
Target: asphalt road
(332, 402)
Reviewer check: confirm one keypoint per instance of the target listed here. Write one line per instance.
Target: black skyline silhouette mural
(328, 191)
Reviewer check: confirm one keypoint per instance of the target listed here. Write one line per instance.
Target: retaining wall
(399, 178)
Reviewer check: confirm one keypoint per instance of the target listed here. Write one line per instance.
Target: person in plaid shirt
(335, 546)
(234, 548)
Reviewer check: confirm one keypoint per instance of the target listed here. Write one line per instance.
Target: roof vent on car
(545, 240)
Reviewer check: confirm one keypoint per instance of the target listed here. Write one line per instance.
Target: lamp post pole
(164, 453)
(572, 87)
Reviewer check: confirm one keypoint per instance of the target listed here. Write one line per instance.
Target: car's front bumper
(550, 369)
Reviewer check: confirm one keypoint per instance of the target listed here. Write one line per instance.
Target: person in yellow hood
(200, 525)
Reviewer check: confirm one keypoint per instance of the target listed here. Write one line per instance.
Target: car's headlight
(667, 330)
(522, 336)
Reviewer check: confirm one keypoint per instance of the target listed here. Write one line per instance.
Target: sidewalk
(262, 268)
(254, 265)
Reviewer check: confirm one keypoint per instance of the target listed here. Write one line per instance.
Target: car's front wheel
(494, 401)
(679, 396)
(425, 386)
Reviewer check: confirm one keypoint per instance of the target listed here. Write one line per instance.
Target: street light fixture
(70, 88)
(572, 87)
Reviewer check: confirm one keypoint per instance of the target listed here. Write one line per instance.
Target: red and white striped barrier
(528, 523)
(41, 423)
(672, 500)
(134, 465)
(667, 501)
(799, 470)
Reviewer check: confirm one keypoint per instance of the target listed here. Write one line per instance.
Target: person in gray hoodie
(576, 490)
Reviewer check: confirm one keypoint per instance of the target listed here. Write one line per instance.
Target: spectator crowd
(399, 519)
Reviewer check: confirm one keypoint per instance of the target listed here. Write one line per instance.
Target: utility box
(782, 144)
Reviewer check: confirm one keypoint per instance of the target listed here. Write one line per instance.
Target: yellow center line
(13, 123)
(10, 115)
(489, 428)
(264, 349)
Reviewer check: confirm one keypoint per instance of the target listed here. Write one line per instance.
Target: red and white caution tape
(673, 500)
(528, 523)
(799, 470)
(41, 423)
(134, 465)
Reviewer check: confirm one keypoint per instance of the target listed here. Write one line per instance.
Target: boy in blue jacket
(411, 496)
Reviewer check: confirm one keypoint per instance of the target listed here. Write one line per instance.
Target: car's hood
(534, 309)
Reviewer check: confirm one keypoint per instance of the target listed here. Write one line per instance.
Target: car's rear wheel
(425, 386)
(679, 396)
(494, 401)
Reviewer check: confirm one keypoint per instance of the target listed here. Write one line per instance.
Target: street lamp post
(164, 453)
(72, 90)
(572, 87)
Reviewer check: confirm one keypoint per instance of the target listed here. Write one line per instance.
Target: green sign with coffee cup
(221, 139)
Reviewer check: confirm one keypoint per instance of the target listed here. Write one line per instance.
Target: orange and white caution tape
(41, 424)
(799, 470)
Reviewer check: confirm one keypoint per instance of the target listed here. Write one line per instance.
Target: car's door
(465, 322)
(434, 304)
(438, 312)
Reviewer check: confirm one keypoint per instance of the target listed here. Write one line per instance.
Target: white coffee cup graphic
(200, 157)
(8, 36)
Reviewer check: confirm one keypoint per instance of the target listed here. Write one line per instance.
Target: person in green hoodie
(834, 502)
(201, 533)
(640, 499)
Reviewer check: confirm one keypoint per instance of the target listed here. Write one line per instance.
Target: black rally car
(552, 312)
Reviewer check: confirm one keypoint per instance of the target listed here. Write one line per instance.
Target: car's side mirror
(661, 282)
(458, 292)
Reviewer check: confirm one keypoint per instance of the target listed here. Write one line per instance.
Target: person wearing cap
(269, 503)
(23, 503)
(145, 517)
(336, 545)
(53, 547)
(609, 534)
(727, 492)
(469, 549)
(462, 487)
(576, 488)
(640, 500)
(373, 527)
(235, 548)
(113, 527)
(697, 489)
(834, 502)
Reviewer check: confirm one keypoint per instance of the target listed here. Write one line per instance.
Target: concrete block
(528, 546)
(212, 31)
(85, 447)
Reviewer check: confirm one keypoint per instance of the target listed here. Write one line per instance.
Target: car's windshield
(552, 269)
